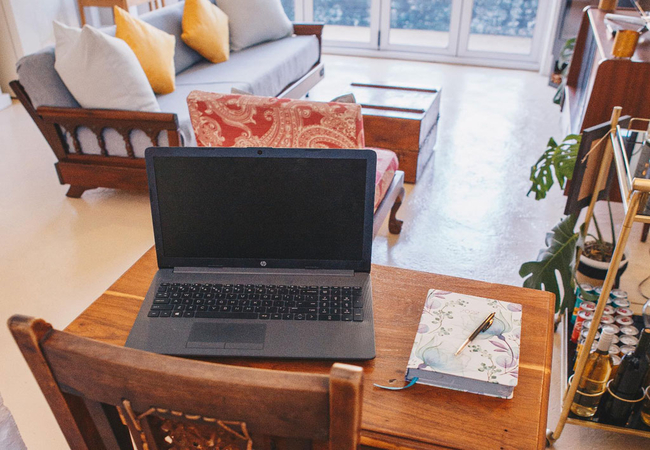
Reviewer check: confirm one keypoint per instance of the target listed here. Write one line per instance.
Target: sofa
(105, 148)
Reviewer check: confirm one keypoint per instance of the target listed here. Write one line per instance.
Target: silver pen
(487, 323)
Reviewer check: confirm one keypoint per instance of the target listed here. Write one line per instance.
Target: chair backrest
(99, 392)
(230, 120)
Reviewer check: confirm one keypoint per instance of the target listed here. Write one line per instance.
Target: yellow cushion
(153, 48)
(205, 29)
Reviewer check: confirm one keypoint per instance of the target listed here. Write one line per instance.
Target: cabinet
(597, 82)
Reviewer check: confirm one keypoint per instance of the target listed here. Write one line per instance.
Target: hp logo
(263, 263)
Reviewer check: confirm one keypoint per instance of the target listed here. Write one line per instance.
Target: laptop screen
(268, 207)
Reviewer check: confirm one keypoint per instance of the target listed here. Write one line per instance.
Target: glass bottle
(645, 407)
(594, 378)
(628, 384)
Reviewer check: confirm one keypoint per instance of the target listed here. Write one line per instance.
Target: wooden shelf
(597, 82)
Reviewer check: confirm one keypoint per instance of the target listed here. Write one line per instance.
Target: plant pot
(594, 272)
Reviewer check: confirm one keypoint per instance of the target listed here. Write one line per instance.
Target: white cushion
(254, 21)
(101, 71)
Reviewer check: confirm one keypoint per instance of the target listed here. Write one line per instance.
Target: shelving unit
(597, 82)
(635, 193)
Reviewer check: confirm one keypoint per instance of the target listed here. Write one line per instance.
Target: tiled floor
(468, 216)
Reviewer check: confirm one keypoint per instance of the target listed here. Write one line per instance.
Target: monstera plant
(554, 269)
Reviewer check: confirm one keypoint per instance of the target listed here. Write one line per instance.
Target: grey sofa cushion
(252, 22)
(264, 69)
(42, 83)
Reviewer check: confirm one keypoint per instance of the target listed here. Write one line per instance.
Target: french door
(507, 31)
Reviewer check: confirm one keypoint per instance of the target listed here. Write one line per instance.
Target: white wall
(26, 27)
(34, 18)
(8, 55)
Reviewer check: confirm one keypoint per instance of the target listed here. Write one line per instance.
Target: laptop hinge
(255, 271)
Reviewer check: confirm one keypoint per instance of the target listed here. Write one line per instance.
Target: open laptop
(261, 252)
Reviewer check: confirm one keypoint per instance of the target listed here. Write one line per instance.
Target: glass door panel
(346, 21)
(475, 30)
(420, 23)
(501, 29)
(290, 8)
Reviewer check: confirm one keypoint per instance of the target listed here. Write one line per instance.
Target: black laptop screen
(266, 208)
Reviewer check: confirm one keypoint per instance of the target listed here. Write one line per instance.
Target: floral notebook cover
(488, 365)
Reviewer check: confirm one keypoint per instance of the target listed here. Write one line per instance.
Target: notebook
(488, 365)
(261, 253)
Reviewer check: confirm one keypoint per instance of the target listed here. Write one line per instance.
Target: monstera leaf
(557, 260)
(557, 158)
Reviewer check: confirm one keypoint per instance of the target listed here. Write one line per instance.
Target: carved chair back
(102, 395)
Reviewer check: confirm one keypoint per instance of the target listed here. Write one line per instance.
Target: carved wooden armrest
(97, 120)
(307, 29)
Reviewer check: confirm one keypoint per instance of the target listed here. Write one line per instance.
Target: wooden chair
(231, 120)
(100, 392)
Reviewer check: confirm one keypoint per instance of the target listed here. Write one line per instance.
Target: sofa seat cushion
(264, 69)
(387, 165)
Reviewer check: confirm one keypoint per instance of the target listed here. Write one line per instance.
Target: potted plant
(554, 270)
(597, 255)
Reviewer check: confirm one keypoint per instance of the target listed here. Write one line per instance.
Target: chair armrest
(302, 28)
(71, 119)
(306, 29)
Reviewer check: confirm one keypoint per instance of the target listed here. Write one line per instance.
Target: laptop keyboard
(256, 301)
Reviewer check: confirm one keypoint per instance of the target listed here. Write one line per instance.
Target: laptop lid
(262, 207)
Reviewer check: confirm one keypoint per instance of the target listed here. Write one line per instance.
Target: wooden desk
(421, 417)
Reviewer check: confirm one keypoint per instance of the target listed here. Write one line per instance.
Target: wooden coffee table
(402, 119)
(421, 417)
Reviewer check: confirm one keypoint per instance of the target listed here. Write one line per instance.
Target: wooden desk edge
(377, 439)
(546, 387)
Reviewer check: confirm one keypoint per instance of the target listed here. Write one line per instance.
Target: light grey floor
(468, 216)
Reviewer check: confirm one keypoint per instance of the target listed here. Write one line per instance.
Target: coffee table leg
(394, 224)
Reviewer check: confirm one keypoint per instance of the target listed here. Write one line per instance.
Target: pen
(487, 323)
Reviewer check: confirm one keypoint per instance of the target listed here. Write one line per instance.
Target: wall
(26, 27)
(8, 55)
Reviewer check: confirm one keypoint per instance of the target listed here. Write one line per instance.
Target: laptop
(261, 253)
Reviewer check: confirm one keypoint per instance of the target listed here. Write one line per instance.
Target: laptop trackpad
(227, 335)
